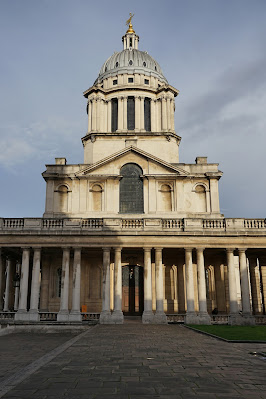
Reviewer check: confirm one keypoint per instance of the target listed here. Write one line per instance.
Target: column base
(117, 317)
(22, 315)
(241, 320)
(34, 315)
(148, 317)
(63, 315)
(160, 318)
(74, 316)
(106, 317)
(191, 318)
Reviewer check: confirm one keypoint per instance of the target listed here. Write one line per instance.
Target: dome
(131, 61)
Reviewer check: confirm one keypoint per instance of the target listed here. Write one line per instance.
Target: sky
(212, 51)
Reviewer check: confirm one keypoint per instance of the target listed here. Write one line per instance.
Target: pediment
(150, 164)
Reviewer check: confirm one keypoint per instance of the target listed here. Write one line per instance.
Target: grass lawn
(250, 333)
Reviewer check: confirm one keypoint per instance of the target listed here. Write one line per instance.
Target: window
(155, 68)
(131, 189)
(130, 62)
(115, 82)
(130, 42)
(130, 80)
(144, 64)
(146, 81)
(116, 64)
(58, 282)
(147, 114)
(114, 114)
(131, 113)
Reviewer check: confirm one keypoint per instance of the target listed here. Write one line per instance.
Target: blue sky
(212, 51)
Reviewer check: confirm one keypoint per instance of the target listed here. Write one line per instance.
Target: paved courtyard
(129, 361)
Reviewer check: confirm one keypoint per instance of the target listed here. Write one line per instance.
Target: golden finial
(130, 26)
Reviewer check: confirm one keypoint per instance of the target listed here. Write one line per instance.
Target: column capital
(75, 248)
(25, 248)
(117, 249)
(188, 249)
(37, 248)
(230, 250)
(158, 248)
(146, 249)
(242, 250)
(200, 249)
(106, 249)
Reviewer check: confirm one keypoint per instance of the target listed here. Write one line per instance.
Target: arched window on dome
(131, 189)
(131, 113)
(114, 114)
(147, 114)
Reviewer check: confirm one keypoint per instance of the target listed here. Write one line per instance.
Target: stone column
(2, 279)
(153, 116)
(203, 316)
(168, 103)
(22, 314)
(175, 285)
(125, 114)
(142, 128)
(75, 314)
(147, 316)
(45, 272)
(160, 316)
(164, 115)
(248, 319)
(172, 115)
(18, 267)
(63, 314)
(105, 316)
(93, 115)
(191, 317)
(120, 114)
(137, 114)
(255, 285)
(89, 115)
(7, 287)
(234, 317)
(109, 116)
(35, 286)
(117, 315)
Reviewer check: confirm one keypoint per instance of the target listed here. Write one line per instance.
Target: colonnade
(200, 316)
(100, 114)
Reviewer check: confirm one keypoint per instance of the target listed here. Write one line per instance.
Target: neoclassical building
(132, 231)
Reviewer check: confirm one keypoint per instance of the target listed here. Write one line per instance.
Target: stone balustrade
(84, 225)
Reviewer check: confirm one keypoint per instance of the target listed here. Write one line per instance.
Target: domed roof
(131, 61)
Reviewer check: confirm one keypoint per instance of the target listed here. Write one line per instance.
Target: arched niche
(62, 198)
(200, 198)
(131, 189)
(165, 198)
(97, 201)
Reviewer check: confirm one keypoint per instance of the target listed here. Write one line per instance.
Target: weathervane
(129, 19)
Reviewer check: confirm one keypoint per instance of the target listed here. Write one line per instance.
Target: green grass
(249, 333)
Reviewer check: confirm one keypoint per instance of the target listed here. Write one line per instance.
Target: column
(172, 114)
(105, 316)
(244, 278)
(142, 129)
(160, 316)
(125, 114)
(35, 285)
(75, 314)
(203, 314)
(214, 195)
(153, 116)
(18, 267)
(137, 114)
(164, 115)
(22, 314)
(89, 115)
(255, 285)
(98, 113)
(109, 116)
(191, 317)
(117, 315)
(7, 286)
(168, 103)
(94, 115)
(147, 316)
(63, 314)
(120, 114)
(45, 272)
(2, 279)
(234, 317)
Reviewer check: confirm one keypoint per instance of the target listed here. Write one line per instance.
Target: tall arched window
(131, 113)
(114, 114)
(131, 189)
(147, 114)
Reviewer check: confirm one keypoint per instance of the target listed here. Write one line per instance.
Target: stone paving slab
(144, 361)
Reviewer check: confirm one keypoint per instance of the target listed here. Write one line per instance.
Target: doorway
(132, 290)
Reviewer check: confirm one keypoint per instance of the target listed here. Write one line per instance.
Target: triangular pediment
(128, 152)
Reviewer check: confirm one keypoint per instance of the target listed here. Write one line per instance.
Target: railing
(7, 316)
(86, 316)
(132, 223)
(260, 319)
(219, 319)
(203, 226)
(172, 223)
(48, 316)
(175, 318)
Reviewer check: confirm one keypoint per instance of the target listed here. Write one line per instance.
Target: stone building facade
(131, 231)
